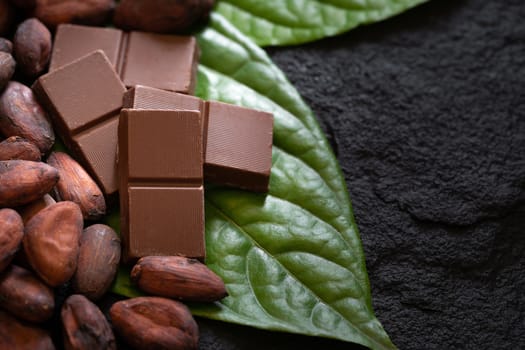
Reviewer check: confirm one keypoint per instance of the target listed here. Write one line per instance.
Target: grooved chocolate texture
(84, 99)
(160, 165)
(238, 140)
(166, 62)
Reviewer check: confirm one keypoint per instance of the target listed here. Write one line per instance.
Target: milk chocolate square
(163, 61)
(84, 99)
(161, 187)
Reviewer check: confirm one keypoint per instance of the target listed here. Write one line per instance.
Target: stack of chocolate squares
(154, 143)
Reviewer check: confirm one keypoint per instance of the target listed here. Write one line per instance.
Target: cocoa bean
(51, 242)
(98, 261)
(11, 234)
(161, 16)
(91, 12)
(24, 181)
(155, 323)
(32, 47)
(84, 326)
(16, 147)
(15, 334)
(7, 68)
(77, 186)
(23, 116)
(25, 296)
(31, 209)
(178, 277)
(6, 45)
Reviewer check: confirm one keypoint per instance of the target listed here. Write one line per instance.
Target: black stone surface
(426, 112)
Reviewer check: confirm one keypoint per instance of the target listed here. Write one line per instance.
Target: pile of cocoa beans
(51, 238)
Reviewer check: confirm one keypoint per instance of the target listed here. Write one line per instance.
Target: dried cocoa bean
(178, 277)
(31, 209)
(6, 45)
(32, 47)
(7, 68)
(51, 242)
(91, 12)
(15, 334)
(24, 181)
(77, 186)
(161, 16)
(155, 323)
(84, 326)
(23, 116)
(16, 147)
(11, 234)
(98, 261)
(25, 296)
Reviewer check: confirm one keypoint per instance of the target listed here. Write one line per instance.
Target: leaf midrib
(256, 243)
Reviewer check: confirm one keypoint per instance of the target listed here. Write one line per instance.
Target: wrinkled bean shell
(11, 234)
(15, 334)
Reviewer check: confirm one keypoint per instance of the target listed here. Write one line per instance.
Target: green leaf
(287, 22)
(292, 259)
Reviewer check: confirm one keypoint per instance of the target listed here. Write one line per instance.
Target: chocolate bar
(84, 99)
(238, 140)
(166, 62)
(161, 185)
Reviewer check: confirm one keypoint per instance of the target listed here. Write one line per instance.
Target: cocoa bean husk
(32, 47)
(7, 68)
(11, 234)
(77, 186)
(98, 261)
(90, 12)
(155, 323)
(16, 147)
(51, 242)
(178, 277)
(23, 116)
(24, 181)
(25, 296)
(15, 334)
(84, 326)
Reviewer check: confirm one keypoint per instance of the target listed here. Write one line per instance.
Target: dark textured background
(426, 113)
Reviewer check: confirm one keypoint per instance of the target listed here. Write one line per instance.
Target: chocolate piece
(144, 97)
(84, 99)
(161, 192)
(166, 62)
(74, 41)
(239, 146)
(238, 142)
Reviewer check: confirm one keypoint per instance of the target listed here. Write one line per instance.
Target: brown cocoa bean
(7, 17)
(177, 277)
(161, 16)
(77, 186)
(84, 326)
(25, 296)
(11, 234)
(7, 68)
(51, 242)
(98, 261)
(31, 209)
(32, 47)
(24, 181)
(155, 323)
(91, 12)
(16, 147)
(23, 116)
(6, 45)
(15, 334)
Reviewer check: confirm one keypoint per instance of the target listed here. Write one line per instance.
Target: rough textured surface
(427, 115)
